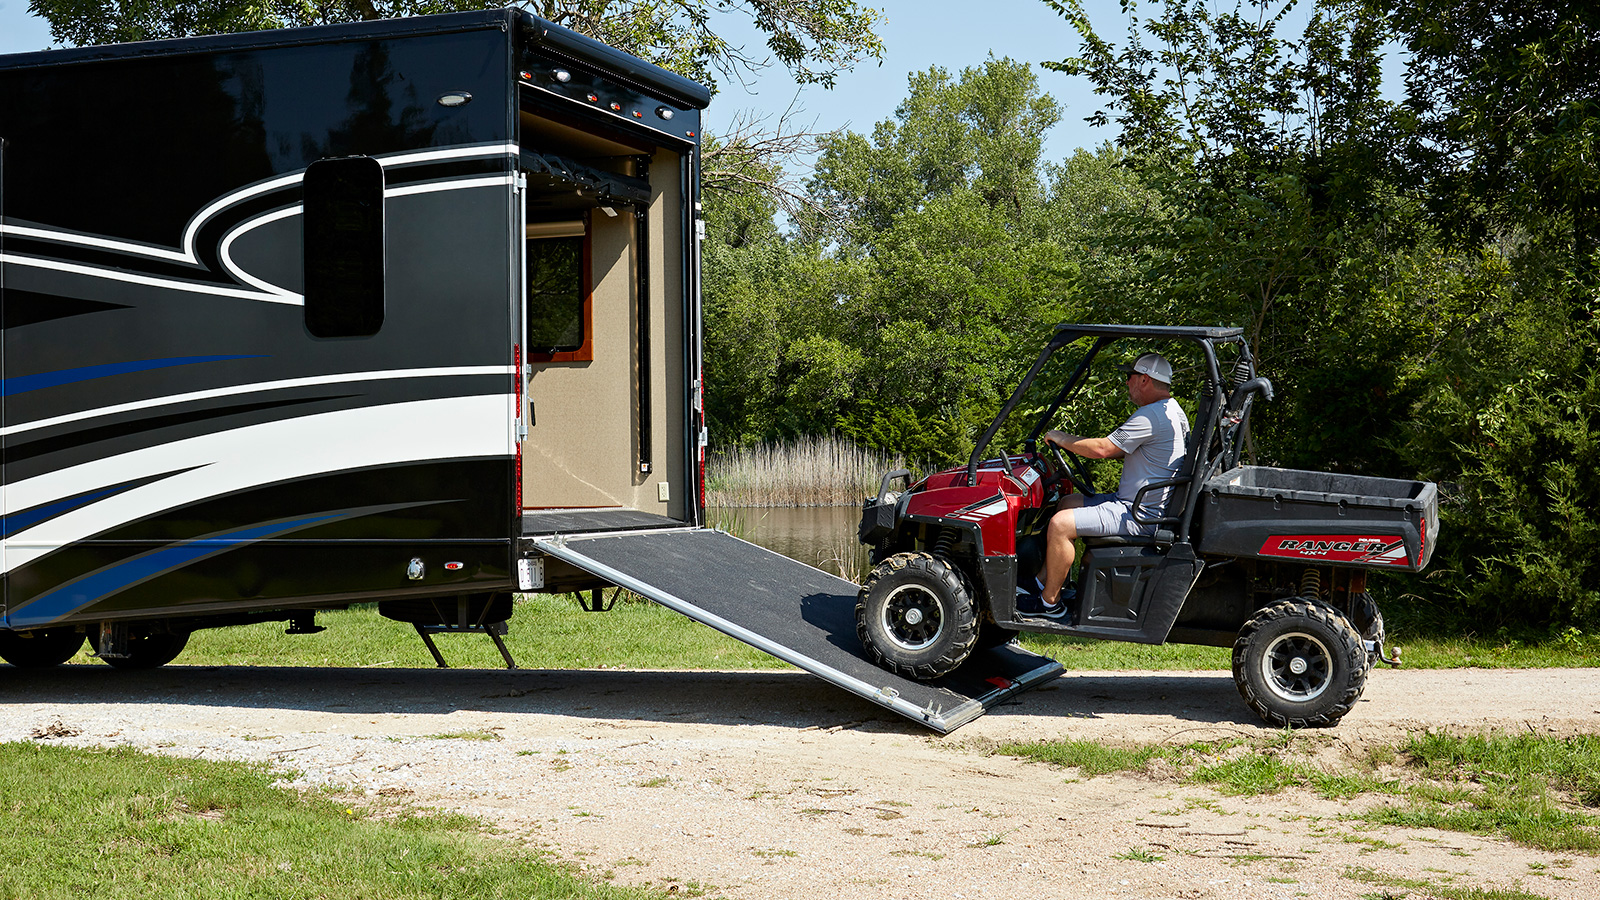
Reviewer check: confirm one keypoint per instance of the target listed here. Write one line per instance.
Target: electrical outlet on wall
(663, 492)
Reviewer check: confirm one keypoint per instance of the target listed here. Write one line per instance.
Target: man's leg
(1059, 550)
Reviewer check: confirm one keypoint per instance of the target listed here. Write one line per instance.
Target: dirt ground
(775, 785)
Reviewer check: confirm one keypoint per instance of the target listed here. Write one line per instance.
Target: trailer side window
(559, 311)
(344, 247)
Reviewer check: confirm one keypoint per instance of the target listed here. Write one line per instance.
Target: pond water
(820, 536)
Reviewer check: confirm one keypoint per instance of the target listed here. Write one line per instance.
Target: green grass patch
(1432, 889)
(1553, 652)
(1252, 773)
(122, 824)
(1088, 757)
(1538, 791)
(553, 632)
(1535, 790)
(546, 632)
(465, 736)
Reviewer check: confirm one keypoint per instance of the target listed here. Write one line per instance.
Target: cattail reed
(813, 471)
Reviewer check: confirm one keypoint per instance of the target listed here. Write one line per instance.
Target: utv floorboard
(799, 614)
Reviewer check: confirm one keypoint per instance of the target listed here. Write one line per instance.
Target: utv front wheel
(1300, 664)
(916, 617)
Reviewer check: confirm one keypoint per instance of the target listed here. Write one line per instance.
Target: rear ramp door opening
(799, 614)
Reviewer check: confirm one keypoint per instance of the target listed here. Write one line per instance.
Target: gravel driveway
(775, 785)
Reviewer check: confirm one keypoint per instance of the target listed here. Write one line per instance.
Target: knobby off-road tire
(1300, 664)
(41, 648)
(915, 616)
(147, 651)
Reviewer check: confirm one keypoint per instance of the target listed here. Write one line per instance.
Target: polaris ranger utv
(1272, 562)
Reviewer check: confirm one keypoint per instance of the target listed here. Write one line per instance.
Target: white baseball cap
(1153, 364)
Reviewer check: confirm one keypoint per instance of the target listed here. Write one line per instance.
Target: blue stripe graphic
(64, 600)
(15, 522)
(25, 383)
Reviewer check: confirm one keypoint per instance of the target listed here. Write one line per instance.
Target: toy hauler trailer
(402, 311)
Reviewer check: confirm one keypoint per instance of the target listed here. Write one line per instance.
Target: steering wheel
(1074, 467)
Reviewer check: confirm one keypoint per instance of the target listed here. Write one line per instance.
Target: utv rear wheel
(916, 617)
(1300, 664)
(41, 648)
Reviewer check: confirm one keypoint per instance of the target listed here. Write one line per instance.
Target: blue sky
(918, 34)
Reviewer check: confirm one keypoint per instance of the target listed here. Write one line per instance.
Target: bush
(1519, 512)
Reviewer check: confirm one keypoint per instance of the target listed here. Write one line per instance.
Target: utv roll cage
(1217, 436)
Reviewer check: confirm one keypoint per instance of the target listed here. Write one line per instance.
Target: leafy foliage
(1507, 100)
(899, 310)
(815, 39)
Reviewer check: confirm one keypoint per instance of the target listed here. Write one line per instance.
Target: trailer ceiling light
(562, 75)
(527, 76)
(616, 107)
(455, 98)
(663, 113)
(593, 99)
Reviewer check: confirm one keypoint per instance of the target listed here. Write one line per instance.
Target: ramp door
(799, 614)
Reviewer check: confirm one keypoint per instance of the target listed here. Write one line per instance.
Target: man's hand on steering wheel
(1072, 465)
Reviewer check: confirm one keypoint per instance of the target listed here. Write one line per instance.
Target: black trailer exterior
(386, 311)
(264, 301)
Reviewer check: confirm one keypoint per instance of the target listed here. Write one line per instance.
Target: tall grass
(812, 471)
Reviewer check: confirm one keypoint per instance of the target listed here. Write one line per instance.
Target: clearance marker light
(562, 75)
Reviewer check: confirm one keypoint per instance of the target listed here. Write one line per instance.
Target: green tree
(814, 39)
(944, 213)
(1414, 276)
(1268, 150)
(1507, 97)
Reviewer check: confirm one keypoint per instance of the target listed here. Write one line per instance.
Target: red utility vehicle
(1272, 562)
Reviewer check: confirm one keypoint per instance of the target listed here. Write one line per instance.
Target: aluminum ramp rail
(799, 614)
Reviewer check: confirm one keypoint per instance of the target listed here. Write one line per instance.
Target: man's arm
(1089, 447)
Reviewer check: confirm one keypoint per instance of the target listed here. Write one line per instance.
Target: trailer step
(799, 614)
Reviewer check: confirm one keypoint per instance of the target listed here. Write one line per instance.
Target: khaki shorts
(1103, 515)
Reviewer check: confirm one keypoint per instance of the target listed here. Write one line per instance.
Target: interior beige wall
(582, 450)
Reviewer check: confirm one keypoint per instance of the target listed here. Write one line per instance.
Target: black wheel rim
(913, 617)
(1297, 667)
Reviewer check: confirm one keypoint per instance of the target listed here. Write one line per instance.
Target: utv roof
(1148, 331)
(547, 36)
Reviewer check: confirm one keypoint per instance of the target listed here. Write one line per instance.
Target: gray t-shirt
(1155, 439)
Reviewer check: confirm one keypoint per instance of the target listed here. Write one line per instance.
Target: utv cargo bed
(1352, 520)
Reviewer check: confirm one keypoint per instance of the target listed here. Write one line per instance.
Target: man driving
(1151, 444)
